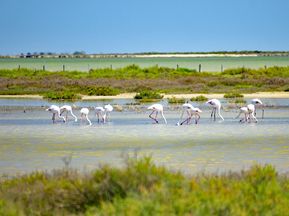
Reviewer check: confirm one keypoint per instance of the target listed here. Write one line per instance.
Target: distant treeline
(82, 54)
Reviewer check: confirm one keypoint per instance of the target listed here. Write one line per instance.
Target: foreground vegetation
(132, 78)
(142, 188)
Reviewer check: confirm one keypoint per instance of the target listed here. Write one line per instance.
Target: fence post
(177, 66)
(63, 67)
(200, 67)
(44, 67)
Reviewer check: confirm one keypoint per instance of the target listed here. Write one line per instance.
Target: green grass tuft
(142, 188)
(199, 98)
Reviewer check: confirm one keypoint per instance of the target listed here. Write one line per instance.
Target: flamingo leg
(97, 117)
(66, 117)
(53, 118)
(215, 109)
(153, 117)
(187, 119)
(156, 117)
(197, 118)
(212, 113)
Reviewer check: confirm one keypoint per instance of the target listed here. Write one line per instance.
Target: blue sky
(118, 26)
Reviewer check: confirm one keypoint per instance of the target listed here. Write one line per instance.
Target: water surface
(208, 63)
(29, 141)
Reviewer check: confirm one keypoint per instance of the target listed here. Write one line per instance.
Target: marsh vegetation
(142, 188)
(132, 78)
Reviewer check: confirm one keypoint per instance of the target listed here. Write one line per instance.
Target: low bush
(102, 90)
(146, 94)
(142, 188)
(233, 95)
(61, 95)
(174, 100)
(199, 98)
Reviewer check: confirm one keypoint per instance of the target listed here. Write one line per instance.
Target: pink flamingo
(100, 111)
(55, 110)
(191, 111)
(244, 110)
(108, 109)
(66, 109)
(258, 102)
(216, 104)
(84, 113)
(252, 111)
(156, 108)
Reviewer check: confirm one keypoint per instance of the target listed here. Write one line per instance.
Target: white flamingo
(55, 110)
(216, 104)
(66, 109)
(108, 109)
(244, 110)
(252, 111)
(100, 111)
(258, 102)
(191, 111)
(156, 108)
(84, 113)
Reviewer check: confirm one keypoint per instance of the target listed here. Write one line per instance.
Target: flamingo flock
(187, 109)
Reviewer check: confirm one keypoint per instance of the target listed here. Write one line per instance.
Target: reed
(142, 188)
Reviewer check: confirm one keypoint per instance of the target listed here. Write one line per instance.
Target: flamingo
(216, 104)
(258, 102)
(157, 108)
(55, 110)
(244, 110)
(67, 108)
(190, 111)
(100, 111)
(84, 113)
(108, 108)
(252, 111)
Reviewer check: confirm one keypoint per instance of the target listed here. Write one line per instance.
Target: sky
(129, 26)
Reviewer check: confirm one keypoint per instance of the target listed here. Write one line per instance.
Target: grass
(148, 96)
(174, 100)
(107, 81)
(66, 95)
(142, 188)
(199, 98)
(233, 95)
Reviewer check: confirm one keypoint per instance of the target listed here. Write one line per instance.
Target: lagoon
(29, 141)
(210, 64)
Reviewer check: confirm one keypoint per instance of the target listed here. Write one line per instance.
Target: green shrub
(199, 98)
(233, 95)
(239, 101)
(142, 188)
(61, 95)
(103, 90)
(174, 100)
(146, 94)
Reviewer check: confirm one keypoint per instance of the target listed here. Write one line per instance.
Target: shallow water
(208, 63)
(29, 141)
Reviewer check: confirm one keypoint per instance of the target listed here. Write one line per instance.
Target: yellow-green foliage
(200, 98)
(133, 78)
(174, 100)
(233, 95)
(142, 188)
